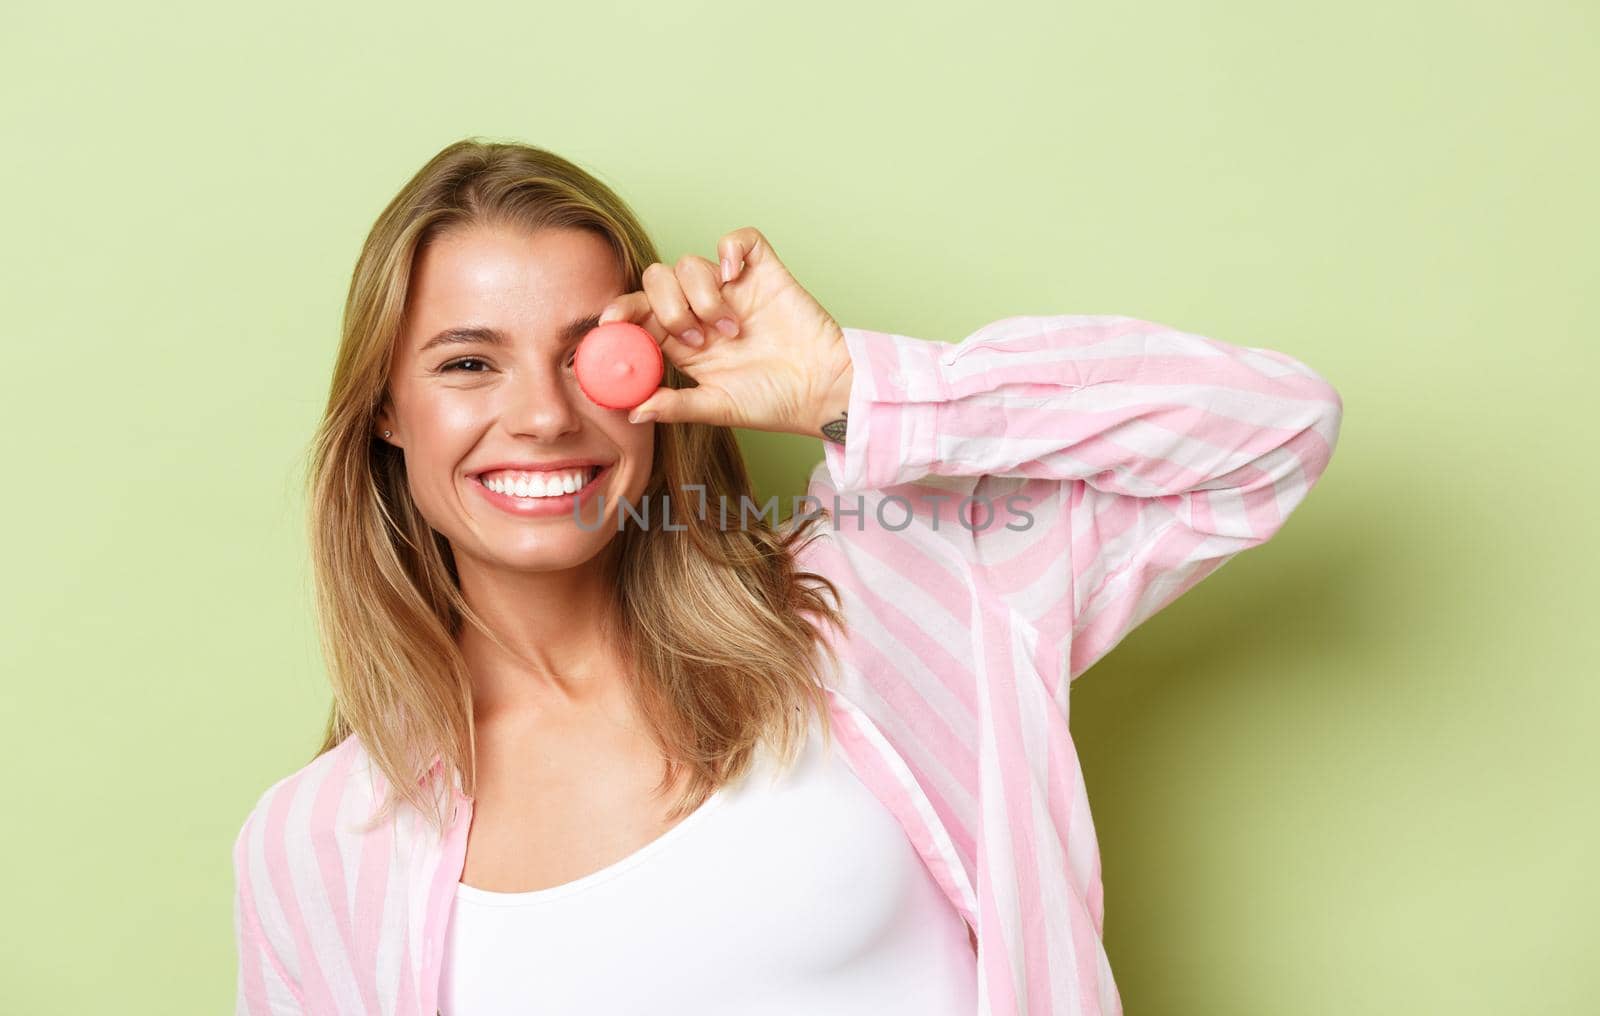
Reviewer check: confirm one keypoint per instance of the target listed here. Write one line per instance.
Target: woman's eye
(461, 364)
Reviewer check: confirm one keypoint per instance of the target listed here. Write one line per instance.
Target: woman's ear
(383, 427)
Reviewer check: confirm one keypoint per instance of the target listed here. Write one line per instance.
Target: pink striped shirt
(1005, 510)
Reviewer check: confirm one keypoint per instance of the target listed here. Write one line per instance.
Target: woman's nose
(542, 403)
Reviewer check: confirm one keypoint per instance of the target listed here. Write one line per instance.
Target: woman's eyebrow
(570, 332)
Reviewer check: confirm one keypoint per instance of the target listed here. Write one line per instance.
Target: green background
(1353, 772)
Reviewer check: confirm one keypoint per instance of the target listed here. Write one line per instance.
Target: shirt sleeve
(1156, 453)
(264, 985)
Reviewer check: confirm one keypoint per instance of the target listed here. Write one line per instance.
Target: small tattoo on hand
(834, 430)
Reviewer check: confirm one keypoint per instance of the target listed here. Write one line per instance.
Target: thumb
(681, 405)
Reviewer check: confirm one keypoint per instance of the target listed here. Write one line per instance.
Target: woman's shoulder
(321, 802)
(303, 850)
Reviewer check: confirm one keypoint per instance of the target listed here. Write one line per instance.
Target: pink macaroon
(618, 365)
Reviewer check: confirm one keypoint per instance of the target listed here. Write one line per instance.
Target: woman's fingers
(687, 301)
(670, 305)
(635, 308)
(698, 279)
(742, 247)
(632, 307)
(679, 305)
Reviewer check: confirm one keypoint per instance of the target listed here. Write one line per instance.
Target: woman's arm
(1158, 454)
(264, 985)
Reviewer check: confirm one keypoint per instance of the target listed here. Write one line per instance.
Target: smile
(548, 484)
(537, 494)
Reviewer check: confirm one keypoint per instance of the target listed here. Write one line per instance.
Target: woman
(587, 756)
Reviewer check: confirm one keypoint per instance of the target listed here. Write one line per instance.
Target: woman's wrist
(828, 415)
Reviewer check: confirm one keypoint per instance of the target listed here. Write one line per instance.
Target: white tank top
(795, 896)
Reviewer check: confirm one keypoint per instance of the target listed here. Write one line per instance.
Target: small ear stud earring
(386, 433)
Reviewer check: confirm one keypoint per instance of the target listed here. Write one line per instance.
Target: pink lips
(540, 507)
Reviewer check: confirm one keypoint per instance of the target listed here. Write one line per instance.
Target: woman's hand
(786, 367)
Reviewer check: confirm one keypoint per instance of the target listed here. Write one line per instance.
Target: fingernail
(641, 417)
(727, 327)
(693, 337)
(727, 269)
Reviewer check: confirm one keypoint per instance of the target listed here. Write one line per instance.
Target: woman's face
(503, 403)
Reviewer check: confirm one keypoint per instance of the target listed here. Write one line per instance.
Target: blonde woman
(607, 738)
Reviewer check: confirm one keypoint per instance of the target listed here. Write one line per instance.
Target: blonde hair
(718, 624)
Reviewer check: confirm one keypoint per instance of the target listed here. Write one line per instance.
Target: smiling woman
(474, 288)
(546, 697)
(867, 722)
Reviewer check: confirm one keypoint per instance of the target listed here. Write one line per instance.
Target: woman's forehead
(528, 285)
(494, 261)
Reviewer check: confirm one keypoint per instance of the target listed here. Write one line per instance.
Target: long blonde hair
(720, 627)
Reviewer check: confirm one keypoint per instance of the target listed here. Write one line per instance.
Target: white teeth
(538, 484)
